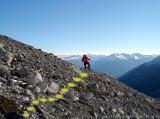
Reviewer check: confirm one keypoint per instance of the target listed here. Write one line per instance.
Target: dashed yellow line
(64, 90)
(84, 75)
(56, 97)
(30, 108)
(25, 115)
(35, 102)
(76, 79)
(52, 99)
(43, 100)
(71, 85)
(59, 96)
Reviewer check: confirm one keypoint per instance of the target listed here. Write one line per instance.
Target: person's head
(84, 55)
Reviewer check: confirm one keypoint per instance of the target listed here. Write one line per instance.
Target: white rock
(54, 88)
(76, 69)
(120, 93)
(76, 98)
(114, 110)
(101, 109)
(121, 111)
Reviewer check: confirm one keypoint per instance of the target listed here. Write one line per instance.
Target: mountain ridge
(109, 64)
(146, 78)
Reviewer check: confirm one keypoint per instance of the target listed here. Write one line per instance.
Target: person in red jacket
(85, 60)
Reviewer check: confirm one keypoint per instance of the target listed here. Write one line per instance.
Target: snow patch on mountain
(121, 56)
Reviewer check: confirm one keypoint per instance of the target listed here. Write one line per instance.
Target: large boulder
(7, 105)
(4, 71)
(43, 86)
(34, 79)
(86, 96)
(5, 56)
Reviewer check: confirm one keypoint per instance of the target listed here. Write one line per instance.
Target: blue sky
(84, 26)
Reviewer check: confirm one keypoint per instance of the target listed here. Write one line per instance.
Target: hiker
(85, 59)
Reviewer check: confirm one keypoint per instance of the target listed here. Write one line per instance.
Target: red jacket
(85, 59)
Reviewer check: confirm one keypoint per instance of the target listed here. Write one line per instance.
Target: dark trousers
(85, 65)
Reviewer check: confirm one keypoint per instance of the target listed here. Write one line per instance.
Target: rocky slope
(28, 74)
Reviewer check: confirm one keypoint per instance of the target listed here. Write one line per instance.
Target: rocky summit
(39, 85)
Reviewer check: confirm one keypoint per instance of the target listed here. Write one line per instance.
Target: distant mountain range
(145, 78)
(114, 65)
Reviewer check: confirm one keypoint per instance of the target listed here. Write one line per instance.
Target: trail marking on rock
(35, 102)
(64, 90)
(30, 108)
(57, 96)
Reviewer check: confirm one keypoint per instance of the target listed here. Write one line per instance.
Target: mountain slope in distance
(145, 78)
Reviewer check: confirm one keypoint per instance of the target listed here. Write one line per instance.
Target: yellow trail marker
(31, 108)
(71, 85)
(77, 79)
(35, 102)
(84, 75)
(64, 90)
(25, 115)
(52, 99)
(59, 96)
(43, 100)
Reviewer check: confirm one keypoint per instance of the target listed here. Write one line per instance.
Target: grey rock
(1, 45)
(34, 79)
(120, 111)
(93, 86)
(29, 93)
(86, 96)
(101, 109)
(36, 89)
(43, 86)
(4, 71)
(6, 56)
(93, 114)
(113, 110)
(10, 82)
(70, 95)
